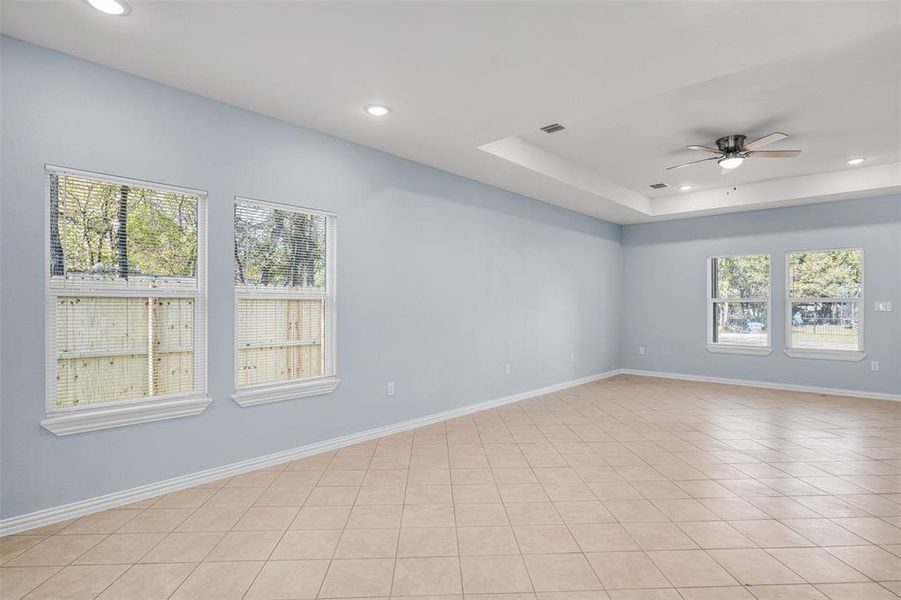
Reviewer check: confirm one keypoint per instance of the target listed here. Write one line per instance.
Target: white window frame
(116, 413)
(712, 301)
(825, 354)
(264, 393)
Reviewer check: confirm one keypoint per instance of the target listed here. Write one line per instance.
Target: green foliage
(279, 247)
(743, 276)
(162, 233)
(87, 224)
(160, 229)
(826, 273)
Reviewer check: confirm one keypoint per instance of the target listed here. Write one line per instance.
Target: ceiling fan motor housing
(731, 143)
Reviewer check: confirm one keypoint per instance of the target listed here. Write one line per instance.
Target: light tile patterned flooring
(628, 488)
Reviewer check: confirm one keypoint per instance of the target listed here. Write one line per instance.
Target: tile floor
(629, 488)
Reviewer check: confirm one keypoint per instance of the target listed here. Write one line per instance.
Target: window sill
(734, 349)
(846, 355)
(263, 394)
(80, 420)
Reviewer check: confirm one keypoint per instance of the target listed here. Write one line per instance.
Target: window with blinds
(126, 291)
(284, 302)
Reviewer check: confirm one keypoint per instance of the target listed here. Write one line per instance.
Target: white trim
(284, 206)
(50, 308)
(99, 291)
(721, 348)
(105, 417)
(276, 392)
(814, 300)
(260, 292)
(789, 387)
(825, 354)
(201, 302)
(82, 507)
(123, 180)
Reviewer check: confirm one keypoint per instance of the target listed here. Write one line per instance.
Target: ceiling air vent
(658, 186)
(553, 128)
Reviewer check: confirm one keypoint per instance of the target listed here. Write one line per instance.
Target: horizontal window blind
(106, 233)
(126, 306)
(284, 293)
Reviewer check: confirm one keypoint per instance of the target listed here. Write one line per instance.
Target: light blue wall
(441, 280)
(665, 287)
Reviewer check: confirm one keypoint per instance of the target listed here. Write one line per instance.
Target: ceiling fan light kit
(731, 150)
(731, 161)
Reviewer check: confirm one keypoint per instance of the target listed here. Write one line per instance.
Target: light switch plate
(882, 306)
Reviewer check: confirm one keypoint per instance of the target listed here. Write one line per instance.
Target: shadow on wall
(848, 213)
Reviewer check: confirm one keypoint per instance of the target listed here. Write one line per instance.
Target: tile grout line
(640, 434)
(284, 533)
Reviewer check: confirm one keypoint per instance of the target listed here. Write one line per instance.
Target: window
(738, 304)
(824, 309)
(126, 301)
(284, 302)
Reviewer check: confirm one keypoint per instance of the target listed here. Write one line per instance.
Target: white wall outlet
(882, 306)
(641, 350)
(507, 368)
(874, 366)
(572, 357)
(389, 388)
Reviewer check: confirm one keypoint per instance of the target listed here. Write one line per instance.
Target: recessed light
(117, 8)
(376, 110)
(855, 161)
(685, 188)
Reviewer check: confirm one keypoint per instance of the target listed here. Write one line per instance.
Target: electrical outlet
(882, 306)
(874, 366)
(507, 368)
(641, 350)
(572, 357)
(389, 389)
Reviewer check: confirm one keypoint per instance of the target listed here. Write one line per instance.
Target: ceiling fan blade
(694, 162)
(767, 139)
(704, 149)
(774, 153)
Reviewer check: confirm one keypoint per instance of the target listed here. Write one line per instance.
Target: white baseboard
(82, 507)
(765, 384)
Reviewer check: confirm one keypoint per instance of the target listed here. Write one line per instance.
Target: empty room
(450, 300)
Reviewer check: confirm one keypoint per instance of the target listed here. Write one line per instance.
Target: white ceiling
(470, 83)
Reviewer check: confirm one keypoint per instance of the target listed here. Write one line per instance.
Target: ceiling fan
(731, 150)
